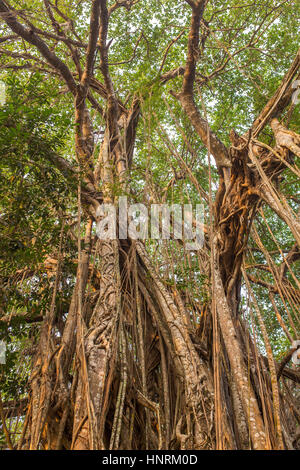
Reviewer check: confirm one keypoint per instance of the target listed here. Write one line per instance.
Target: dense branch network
(137, 362)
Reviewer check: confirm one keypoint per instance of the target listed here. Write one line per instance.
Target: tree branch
(9, 17)
(186, 96)
(279, 100)
(92, 45)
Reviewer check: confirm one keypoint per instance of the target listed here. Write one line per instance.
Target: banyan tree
(141, 342)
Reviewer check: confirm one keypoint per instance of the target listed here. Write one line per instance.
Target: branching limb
(30, 36)
(279, 100)
(186, 96)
